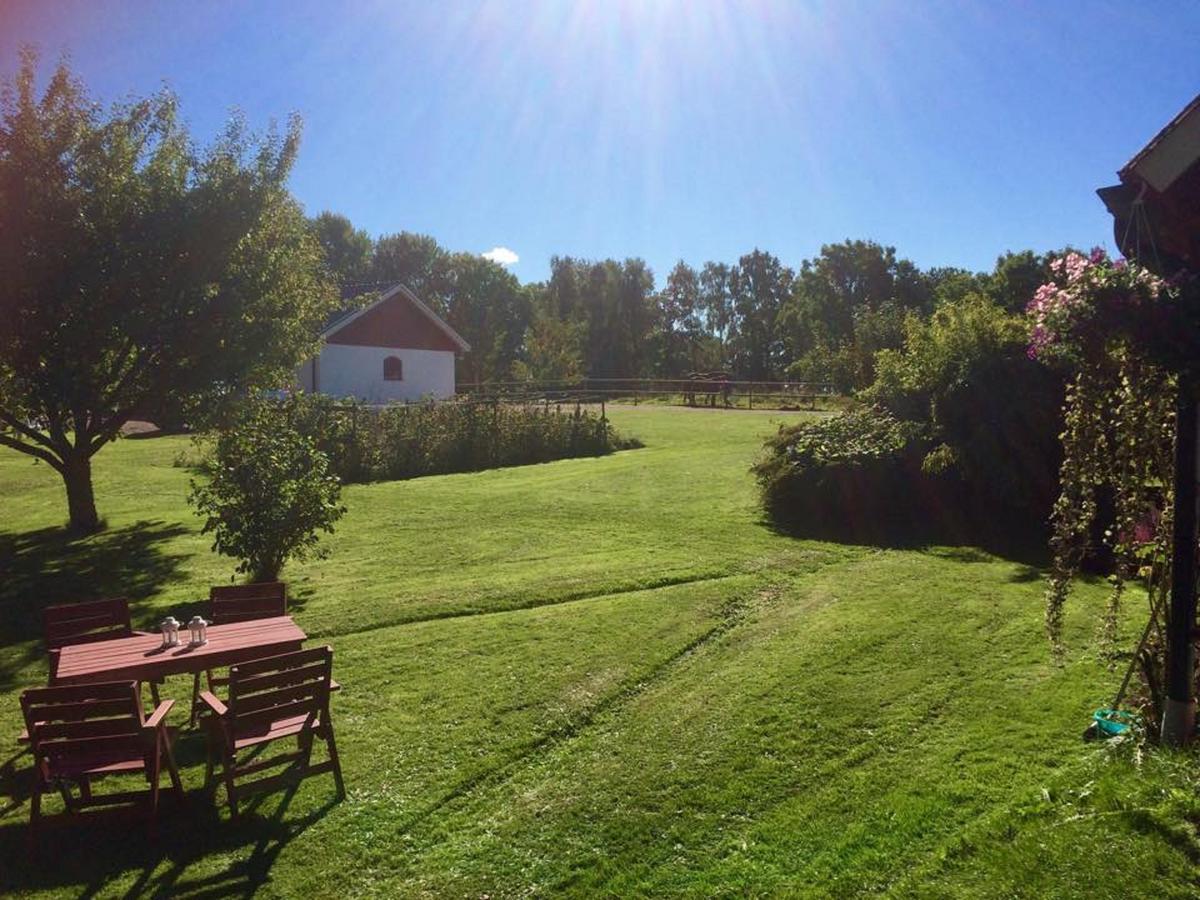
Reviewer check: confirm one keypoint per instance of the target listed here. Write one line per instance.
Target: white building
(396, 348)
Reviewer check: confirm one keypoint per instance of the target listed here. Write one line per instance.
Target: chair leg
(154, 692)
(172, 769)
(208, 762)
(35, 813)
(155, 777)
(65, 790)
(85, 787)
(230, 789)
(333, 757)
(195, 700)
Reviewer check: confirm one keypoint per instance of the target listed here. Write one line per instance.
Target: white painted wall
(347, 370)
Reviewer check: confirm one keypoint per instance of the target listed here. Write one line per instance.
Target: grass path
(610, 677)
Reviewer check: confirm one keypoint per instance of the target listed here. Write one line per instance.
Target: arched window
(393, 369)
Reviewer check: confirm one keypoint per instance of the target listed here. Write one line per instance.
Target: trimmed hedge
(381, 444)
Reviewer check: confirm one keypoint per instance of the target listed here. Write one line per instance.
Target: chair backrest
(82, 623)
(84, 722)
(241, 602)
(287, 686)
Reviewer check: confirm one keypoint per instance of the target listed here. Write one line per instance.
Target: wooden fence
(704, 391)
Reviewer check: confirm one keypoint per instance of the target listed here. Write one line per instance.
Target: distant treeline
(758, 318)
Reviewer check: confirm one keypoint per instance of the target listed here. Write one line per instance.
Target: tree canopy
(139, 271)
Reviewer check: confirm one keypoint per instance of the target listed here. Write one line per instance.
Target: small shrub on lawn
(270, 491)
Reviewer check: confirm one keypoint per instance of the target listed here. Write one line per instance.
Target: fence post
(750, 394)
(602, 416)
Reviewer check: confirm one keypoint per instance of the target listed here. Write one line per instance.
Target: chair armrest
(144, 633)
(159, 714)
(334, 686)
(209, 699)
(23, 737)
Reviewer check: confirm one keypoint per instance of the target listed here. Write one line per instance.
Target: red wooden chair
(80, 733)
(84, 623)
(238, 603)
(284, 696)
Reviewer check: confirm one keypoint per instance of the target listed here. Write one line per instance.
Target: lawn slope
(609, 676)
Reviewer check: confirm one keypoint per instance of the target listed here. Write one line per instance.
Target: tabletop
(142, 657)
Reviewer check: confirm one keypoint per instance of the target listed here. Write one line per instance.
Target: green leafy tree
(552, 352)
(611, 305)
(139, 272)
(759, 286)
(679, 333)
(1016, 278)
(347, 249)
(993, 411)
(484, 303)
(271, 490)
(415, 260)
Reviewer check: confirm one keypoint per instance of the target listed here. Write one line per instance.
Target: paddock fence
(702, 391)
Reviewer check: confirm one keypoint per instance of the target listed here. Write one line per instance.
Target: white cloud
(501, 255)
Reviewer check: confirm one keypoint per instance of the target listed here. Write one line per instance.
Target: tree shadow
(52, 565)
(87, 857)
(947, 530)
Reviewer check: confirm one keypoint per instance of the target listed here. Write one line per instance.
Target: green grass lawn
(609, 676)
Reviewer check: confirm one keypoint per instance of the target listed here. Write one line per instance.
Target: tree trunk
(81, 501)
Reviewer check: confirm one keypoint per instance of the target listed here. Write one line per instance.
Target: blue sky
(668, 129)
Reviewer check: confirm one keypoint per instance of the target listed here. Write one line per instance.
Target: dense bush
(993, 413)
(407, 441)
(957, 441)
(269, 492)
(857, 475)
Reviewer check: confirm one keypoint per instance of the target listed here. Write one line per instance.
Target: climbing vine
(1119, 331)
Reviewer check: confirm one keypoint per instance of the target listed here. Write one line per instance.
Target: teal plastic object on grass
(1114, 722)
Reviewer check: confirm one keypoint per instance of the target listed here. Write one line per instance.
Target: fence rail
(713, 392)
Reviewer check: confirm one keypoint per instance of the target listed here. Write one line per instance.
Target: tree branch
(44, 455)
(31, 433)
(109, 429)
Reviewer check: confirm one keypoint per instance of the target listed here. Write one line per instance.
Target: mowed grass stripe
(803, 752)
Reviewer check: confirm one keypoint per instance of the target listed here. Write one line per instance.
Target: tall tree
(759, 286)
(416, 260)
(610, 304)
(1016, 278)
(137, 271)
(486, 305)
(347, 249)
(679, 332)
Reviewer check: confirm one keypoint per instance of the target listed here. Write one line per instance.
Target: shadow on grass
(52, 565)
(968, 540)
(86, 858)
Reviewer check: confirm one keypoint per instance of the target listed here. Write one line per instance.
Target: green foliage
(552, 352)
(269, 492)
(609, 305)
(1016, 278)
(993, 411)
(845, 366)
(857, 474)
(1118, 443)
(409, 441)
(347, 249)
(139, 273)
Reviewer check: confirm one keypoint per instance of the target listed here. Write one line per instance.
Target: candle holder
(170, 632)
(198, 629)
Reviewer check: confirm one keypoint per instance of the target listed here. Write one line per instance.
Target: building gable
(396, 320)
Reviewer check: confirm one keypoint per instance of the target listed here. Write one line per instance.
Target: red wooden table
(143, 658)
